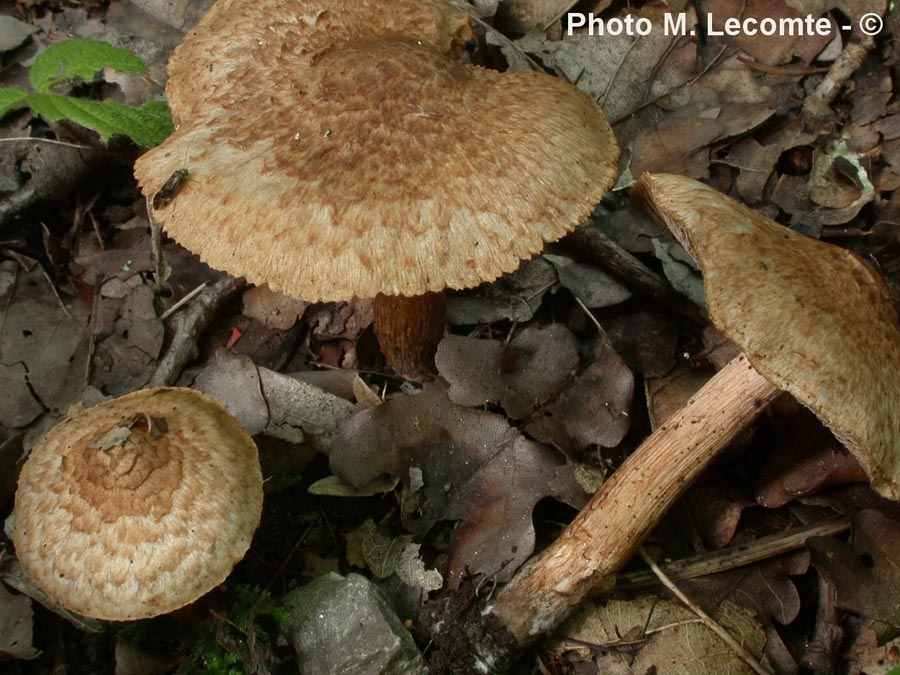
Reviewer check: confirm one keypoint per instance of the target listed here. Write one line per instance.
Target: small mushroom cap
(813, 318)
(341, 159)
(138, 506)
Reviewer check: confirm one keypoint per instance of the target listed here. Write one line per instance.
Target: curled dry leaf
(513, 297)
(806, 459)
(279, 406)
(594, 287)
(520, 376)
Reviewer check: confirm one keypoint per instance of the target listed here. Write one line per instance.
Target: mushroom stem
(409, 330)
(608, 531)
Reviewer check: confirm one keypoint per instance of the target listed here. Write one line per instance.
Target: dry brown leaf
(340, 320)
(16, 618)
(594, 287)
(593, 410)
(496, 533)
(873, 658)
(772, 50)
(716, 511)
(765, 587)
(128, 336)
(871, 95)
(806, 459)
(653, 635)
(667, 395)
(273, 310)
(513, 297)
(865, 573)
(521, 376)
(457, 463)
(677, 145)
(43, 346)
(126, 253)
(645, 340)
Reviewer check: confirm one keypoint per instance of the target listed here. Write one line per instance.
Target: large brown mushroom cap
(813, 318)
(337, 162)
(139, 505)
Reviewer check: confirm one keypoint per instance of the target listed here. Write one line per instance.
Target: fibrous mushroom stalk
(409, 330)
(608, 531)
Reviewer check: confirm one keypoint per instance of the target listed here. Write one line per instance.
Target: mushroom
(813, 319)
(339, 149)
(139, 505)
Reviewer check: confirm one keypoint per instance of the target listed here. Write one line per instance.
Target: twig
(44, 140)
(786, 71)
(821, 653)
(602, 100)
(592, 243)
(161, 270)
(559, 16)
(181, 303)
(189, 325)
(737, 556)
(736, 647)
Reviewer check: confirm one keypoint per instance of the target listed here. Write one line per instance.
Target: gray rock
(344, 625)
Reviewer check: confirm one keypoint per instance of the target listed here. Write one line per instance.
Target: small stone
(345, 625)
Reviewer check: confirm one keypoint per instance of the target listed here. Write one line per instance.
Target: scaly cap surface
(813, 318)
(137, 506)
(340, 149)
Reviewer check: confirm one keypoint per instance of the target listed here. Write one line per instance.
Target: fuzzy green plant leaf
(10, 97)
(147, 125)
(82, 59)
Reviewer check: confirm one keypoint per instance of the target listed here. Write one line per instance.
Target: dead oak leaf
(678, 145)
(16, 619)
(866, 573)
(496, 535)
(773, 49)
(593, 410)
(652, 635)
(520, 376)
(43, 346)
(457, 464)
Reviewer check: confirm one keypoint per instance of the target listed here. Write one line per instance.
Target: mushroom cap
(332, 157)
(138, 506)
(812, 318)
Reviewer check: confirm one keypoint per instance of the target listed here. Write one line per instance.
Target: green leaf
(10, 97)
(80, 60)
(148, 125)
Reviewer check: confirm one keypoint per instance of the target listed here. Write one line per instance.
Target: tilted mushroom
(339, 149)
(138, 506)
(813, 320)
